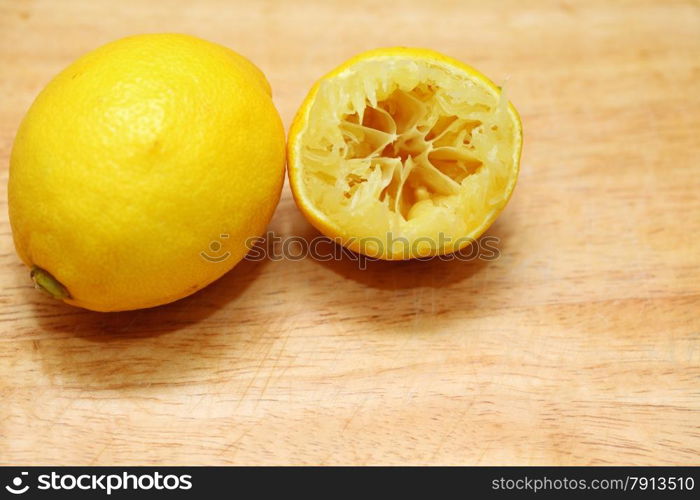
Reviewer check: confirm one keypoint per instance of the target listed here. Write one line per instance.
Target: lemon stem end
(46, 282)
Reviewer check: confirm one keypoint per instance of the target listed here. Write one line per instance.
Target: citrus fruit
(140, 171)
(402, 153)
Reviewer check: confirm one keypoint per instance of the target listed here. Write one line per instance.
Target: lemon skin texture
(134, 160)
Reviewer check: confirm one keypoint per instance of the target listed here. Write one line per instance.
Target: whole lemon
(143, 170)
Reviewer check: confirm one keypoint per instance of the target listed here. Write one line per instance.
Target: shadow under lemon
(177, 342)
(413, 295)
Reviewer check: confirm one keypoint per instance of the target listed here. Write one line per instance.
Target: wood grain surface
(579, 345)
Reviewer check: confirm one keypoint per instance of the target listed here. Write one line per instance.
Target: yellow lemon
(141, 170)
(402, 153)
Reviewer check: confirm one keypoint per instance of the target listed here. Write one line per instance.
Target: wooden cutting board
(579, 345)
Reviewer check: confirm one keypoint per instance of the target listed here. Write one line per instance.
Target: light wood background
(580, 345)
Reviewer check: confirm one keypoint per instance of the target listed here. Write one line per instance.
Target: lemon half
(402, 153)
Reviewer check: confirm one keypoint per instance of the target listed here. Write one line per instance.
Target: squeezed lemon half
(402, 153)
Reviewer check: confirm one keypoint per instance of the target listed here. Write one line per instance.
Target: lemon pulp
(408, 146)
